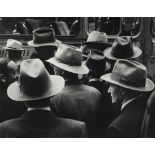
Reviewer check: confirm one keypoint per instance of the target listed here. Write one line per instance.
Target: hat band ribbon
(72, 63)
(127, 81)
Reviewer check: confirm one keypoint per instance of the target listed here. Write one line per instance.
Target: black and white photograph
(77, 77)
(81, 81)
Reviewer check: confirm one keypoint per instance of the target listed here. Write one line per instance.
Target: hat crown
(69, 55)
(96, 61)
(96, 36)
(14, 44)
(122, 47)
(34, 79)
(43, 35)
(130, 73)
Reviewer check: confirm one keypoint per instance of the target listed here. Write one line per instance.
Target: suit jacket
(42, 124)
(128, 123)
(83, 103)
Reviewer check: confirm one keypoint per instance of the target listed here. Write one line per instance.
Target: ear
(2, 78)
(123, 92)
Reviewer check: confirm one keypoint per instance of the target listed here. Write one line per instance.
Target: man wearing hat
(35, 87)
(45, 44)
(98, 66)
(14, 50)
(96, 40)
(128, 84)
(122, 48)
(8, 108)
(76, 100)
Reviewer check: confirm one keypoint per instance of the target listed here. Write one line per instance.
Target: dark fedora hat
(130, 75)
(122, 48)
(69, 58)
(97, 38)
(34, 82)
(96, 62)
(44, 36)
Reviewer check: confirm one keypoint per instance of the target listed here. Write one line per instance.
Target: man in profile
(128, 84)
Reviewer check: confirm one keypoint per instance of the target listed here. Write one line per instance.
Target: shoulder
(115, 132)
(9, 123)
(77, 127)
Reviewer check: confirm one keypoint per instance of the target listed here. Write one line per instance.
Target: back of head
(45, 52)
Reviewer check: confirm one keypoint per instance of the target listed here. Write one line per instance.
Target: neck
(39, 108)
(130, 97)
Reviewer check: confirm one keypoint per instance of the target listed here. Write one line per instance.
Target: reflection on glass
(130, 26)
(109, 25)
(115, 25)
(64, 26)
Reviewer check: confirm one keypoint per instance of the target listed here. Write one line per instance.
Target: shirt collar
(39, 108)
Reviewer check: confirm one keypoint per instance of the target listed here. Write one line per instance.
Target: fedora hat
(122, 48)
(69, 58)
(34, 82)
(130, 75)
(97, 38)
(44, 36)
(96, 62)
(13, 45)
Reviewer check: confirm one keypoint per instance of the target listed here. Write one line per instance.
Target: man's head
(44, 43)
(8, 71)
(127, 79)
(120, 94)
(97, 64)
(122, 48)
(34, 83)
(97, 40)
(69, 59)
(14, 49)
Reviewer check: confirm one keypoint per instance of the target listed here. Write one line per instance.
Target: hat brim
(57, 84)
(73, 69)
(108, 53)
(97, 43)
(148, 85)
(12, 49)
(108, 66)
(55, 43)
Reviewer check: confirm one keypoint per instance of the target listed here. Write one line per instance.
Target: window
(130, 26)
(115, 25)
(64, 26)
(109, 25)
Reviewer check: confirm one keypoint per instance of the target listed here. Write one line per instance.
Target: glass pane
(130, 26)
(64, 26)
(109, 25)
